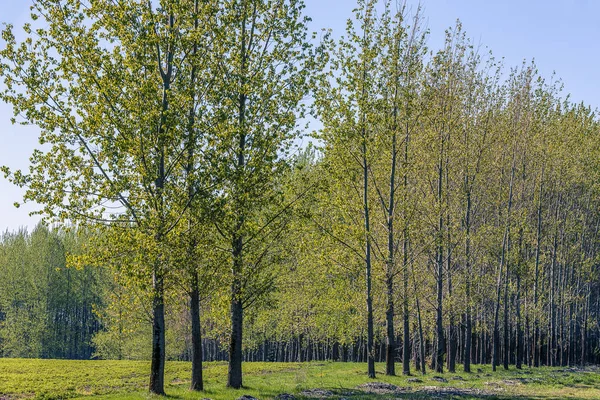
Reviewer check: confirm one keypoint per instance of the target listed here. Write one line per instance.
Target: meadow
(61, 379)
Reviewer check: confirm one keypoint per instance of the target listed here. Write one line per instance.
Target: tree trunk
(496, 338)
(536, 320)
(390, 364)
(439, 350)
(234, 377)
(390, 355)
(197, 383)
(519, 359)
(506, 310)
(365, 167)
(468, 322)
(452, 334)
(421, 339)
(405, 261)
(370, 341)
(157, 367)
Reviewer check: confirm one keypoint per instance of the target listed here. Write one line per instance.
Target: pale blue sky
(562, 36)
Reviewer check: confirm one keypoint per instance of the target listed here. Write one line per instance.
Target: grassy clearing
(57, 379)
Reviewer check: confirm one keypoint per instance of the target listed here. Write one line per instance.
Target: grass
(58, 379)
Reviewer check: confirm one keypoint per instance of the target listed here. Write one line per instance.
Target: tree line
(47, 310)
(444, 212)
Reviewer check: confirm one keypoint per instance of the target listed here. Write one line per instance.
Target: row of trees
(466, 192)
(445, 189)
(164, 119)
(46, 309)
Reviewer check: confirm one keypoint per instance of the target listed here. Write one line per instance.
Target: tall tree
(346, 104)
(111, 85)
(264, 73)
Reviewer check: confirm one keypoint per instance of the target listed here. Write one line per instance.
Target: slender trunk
(390, 368)
(552, 328)
(496, 337)
(468, 322)
(536, 320)
(157, 367)
(519, 328)
(367, 226)
(439, 353)
(573, 313)
(370, 341)
(584, 337)
(506, 310)
(234, 377)
(420, 323)
(405, 243)
(405, 248)
(405, 315)
(452, 334)
(390, 351)
(421, 338)
(416, 355)
(197, 383)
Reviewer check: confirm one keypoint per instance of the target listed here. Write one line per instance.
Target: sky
(563, 36)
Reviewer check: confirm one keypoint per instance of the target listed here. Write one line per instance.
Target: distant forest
(444, 213)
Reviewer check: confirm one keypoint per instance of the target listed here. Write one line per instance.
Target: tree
(402, 53)
(348, 109)
(111, 86)
(265, 73)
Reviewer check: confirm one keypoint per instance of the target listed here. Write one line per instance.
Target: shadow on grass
(428, 392)
(425, 394)
(401, 393)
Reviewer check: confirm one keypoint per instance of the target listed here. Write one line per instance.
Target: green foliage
(46, 307)
(168, 132)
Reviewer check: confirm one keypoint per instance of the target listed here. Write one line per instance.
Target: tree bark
(439, 350)
(468, 321)
(197, 382)
(157, 366)
(519, 359)
(536, 320)
(234, 376)
(496, 337)
(370, 341)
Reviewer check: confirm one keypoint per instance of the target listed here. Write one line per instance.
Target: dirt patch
(247, 397)
(285, 396)
(438, 391)
(317, 393)
(380, 388)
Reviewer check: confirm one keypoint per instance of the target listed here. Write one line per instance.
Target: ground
(58, 379)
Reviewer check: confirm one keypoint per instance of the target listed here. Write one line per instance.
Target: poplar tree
(111, 87)
(346, 104)
(264, 74)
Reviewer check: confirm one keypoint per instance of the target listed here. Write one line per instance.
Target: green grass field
(58, 379)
